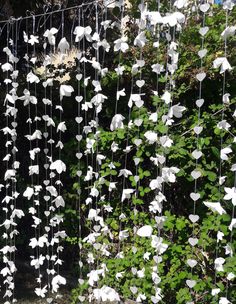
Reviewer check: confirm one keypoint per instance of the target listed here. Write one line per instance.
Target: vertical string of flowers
(48, 121)
(216, 207)
(79, 120)
(65, 91)
(230, 193)
(50, 189)
(156, 205)
(38, 187)
(117, 119)
(197, 153)
(121, 44)
(33, 190)
(10, 175)
(139, 43)
(55, 200)
(82, 35)
(223, 125)
(16, 213)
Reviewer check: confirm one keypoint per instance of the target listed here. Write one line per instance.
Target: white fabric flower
(50, 35)
(117, 122)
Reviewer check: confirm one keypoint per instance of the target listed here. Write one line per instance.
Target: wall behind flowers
(118, 147)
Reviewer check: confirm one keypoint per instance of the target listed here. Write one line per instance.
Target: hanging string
(221, 147)
(8, 293)
(197, 130)
(116, 107)
(51, 141)
(78, 201)
(28, 104)
(15, 164)
(60, 148)
(86, 114)
(46, 150)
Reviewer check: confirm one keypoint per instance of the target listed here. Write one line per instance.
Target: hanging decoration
(60, 107)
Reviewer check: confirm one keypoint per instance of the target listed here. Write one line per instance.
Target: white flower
(126, 194)
(31, 78)
(59, 166)
(141, 273)
(229, 31)
(63, 45)
(119, 275)
(120, 93)
(140, 298)
(154, 17)
(176, 111)
(165, 141)
(220, 236)
(166, 97)
(146, 256)
(114, 147)
(93, 276)
(59, 201)
(215, 291)
(33, 169)
(155, 206)
(61, 127)
(174, 18)
(224, 300)
(52, 190)
(10, 173)
(151, 137)
(57, 281)
(65, 90)
(228, 5)
(119, 70)
(41, 292)
(181, 3)
(17, 213)
(215, 207)
(224, 153)
(121, 44)
(37, 262)
(106, 294)
(50, 35)
(219, 264)
(223, 63)
(117, 122)
(123, 234)
(230, 276)
(93, 213)
(168, 174)
(140, 40)
(157, 243)
(223, 125)
(232, 224)
(36, 135)
(231, 195)
(156, 183)
(157, 68)
(145, 231)
(33, 39)
(7, 67)
(38, 243)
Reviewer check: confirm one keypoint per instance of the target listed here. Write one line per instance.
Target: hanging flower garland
(47, 240)
(197, 153)
(12, 165)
